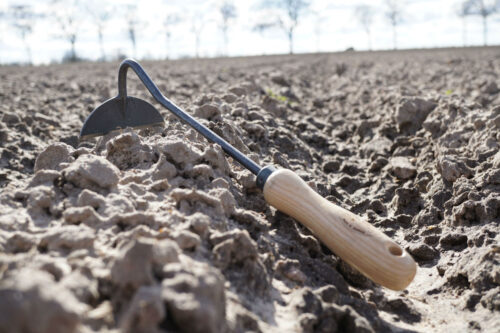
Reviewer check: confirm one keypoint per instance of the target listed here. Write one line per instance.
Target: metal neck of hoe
(200, 128)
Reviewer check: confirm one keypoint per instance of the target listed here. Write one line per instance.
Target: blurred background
(51, 31)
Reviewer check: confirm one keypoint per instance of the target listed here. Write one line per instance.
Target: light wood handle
(350, 237)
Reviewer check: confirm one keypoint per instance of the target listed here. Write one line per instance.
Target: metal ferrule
(263, 174)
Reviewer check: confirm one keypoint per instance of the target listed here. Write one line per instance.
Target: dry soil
(158, 231)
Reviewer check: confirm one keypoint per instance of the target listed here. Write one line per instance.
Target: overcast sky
(327, 26)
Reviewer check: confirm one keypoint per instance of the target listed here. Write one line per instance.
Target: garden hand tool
(349, 236)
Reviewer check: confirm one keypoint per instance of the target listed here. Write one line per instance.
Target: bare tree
(168, 23)
(319, 19)
(394, 15)
(364, 14)
(2, 15)
(100, 16)
(290, 12)
(132, 26)
(228, 12)
(23, 19)
(462, 10)
(197, 25)
(66, 15)
(483, 8)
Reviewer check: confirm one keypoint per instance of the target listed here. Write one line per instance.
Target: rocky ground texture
(158, 231)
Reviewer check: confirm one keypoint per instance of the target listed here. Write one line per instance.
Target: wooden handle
(347, 235)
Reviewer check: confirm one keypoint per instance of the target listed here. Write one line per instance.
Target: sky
(327, 26)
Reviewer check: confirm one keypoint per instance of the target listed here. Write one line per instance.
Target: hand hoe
(349, 236)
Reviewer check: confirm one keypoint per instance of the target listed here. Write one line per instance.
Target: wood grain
(350, 237)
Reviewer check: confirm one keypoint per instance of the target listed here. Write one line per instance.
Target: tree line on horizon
(286, 16)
